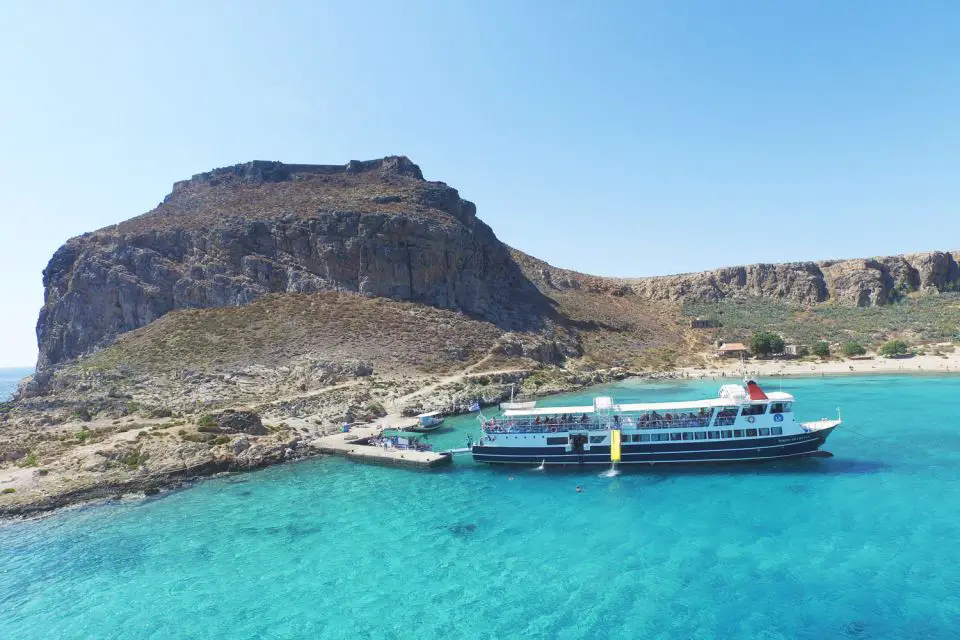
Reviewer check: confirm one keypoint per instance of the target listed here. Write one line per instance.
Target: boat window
(674, 436)
(688, 435)
(644, 437)
(556, 441)
(727, 434)
(754, 410)
(776, 431)
(597, 439)
(751, 433)
(700, 435)
(780, 407)
(712, 435)
(662, 437)
(725, 417)
(764, 431)
(738, 433)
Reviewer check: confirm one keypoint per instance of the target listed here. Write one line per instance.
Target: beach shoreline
(946, 364)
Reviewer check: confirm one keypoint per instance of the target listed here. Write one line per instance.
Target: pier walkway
(353, 445)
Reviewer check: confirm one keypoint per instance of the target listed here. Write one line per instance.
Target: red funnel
(756, 393)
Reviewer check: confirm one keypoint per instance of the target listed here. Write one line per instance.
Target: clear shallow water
(9, 379)
(863, 545)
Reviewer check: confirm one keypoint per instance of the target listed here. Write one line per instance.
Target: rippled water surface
(863, 545)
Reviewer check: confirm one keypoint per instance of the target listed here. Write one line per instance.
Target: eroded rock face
(232, 235)
(861, 282)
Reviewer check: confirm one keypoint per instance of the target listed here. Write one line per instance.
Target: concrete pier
(353, 445)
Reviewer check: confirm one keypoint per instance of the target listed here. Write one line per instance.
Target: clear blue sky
(633, 138)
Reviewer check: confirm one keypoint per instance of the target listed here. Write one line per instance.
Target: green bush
(206, 420)
(133, 459)
(821, 349)
(376, 409)
(853, 348)
(221, 440)
(894, 348)
(207, 428)
(765, 343)
(30, 460)
(9, 490)
(83, 435)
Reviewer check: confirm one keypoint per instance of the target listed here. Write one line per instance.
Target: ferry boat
(742, 423)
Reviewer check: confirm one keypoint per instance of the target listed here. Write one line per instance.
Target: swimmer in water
(509, 477)
(579, 489)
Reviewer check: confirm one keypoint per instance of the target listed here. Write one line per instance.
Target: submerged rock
(462, 529)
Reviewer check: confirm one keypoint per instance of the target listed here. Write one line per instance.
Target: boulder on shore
(234, 421)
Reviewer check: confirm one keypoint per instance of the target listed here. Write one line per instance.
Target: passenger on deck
(583, 419)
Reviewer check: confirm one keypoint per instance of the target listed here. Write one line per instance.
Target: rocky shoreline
(88, 459)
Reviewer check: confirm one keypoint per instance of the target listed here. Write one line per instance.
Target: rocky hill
(230, 236)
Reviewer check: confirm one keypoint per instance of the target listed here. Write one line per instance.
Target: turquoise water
(863, 545)
(10, 377)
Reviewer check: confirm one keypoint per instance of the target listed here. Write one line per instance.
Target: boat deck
(353, 445)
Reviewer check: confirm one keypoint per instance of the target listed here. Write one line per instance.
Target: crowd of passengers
(563, 422)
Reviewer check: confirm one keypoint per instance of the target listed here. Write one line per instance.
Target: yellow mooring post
(615, 445)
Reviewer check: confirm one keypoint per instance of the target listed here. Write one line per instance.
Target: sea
(863, 545)
(10, 377)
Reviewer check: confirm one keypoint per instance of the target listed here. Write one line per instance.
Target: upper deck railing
(515, 425)
(721, 417)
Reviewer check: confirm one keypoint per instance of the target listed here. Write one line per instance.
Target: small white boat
(427, 422)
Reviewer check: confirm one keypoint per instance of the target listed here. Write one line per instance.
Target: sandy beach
(940, 364)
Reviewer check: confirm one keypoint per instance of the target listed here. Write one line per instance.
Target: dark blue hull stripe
(558, 455)
(678, 445)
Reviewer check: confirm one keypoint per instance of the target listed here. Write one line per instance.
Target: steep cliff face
(861, 282)
(232, 235)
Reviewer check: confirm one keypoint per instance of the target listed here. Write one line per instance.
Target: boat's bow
(820, 425)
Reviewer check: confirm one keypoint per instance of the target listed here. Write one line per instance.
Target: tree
(764, 343)
(853, 348)
(821, 349)
(894, 348)
(776, 344)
